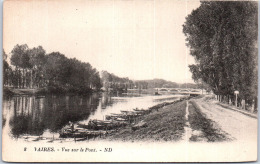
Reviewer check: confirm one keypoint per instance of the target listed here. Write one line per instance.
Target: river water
(45, 116)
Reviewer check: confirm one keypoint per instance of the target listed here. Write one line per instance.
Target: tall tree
(20, 59)
(37, 61)
(6, 70)
(222, 37)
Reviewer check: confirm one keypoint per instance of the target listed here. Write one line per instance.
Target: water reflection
(47, 115)
(106, 100)
(32, 115)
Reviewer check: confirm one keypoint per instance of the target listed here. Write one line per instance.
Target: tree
(20, 59)
(222, 37)
(36, 69)
(56, 69)
(96, 81)
(37, 61)
(6, 70)
(20, 56)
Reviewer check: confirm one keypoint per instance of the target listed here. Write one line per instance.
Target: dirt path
(198, 128)
(240, 127)
(203, 128)
(187, 130)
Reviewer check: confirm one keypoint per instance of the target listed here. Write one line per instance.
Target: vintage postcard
(130, 81)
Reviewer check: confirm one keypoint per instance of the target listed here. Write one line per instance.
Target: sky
(139, 39)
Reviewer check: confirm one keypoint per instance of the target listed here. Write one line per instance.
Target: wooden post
(236, 93)
(253, 106)
(243, 104)
(236, 101)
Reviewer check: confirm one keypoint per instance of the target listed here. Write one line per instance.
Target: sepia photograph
(129, 81)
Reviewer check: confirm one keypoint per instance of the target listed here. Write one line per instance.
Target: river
(46, 115)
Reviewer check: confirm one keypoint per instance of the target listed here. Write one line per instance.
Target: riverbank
(8, 91)
(14, 91)
(172, 123)
(195, 120)
(165, 124)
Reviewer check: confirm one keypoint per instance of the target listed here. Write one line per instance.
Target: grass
(166, 124)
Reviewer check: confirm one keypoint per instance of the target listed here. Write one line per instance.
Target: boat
(82, 134)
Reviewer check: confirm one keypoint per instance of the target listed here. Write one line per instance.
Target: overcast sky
(139, 39)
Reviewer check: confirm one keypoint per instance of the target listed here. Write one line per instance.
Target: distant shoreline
(11, 91)
(7, 91)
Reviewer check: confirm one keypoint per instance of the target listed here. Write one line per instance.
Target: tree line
(161, 83)
(33, 68)
(109, 80)
(222, 36)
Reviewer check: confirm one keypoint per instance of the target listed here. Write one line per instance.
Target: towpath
(200, 119)
(237, 125)
(199, 127)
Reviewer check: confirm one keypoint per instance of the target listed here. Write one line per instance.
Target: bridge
(180, 90)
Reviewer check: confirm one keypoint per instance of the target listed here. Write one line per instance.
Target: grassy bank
(166, 124)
